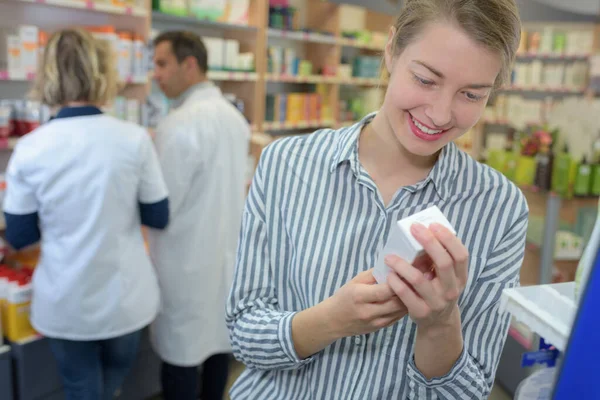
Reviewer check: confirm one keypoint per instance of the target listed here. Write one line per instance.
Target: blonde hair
(76, 67)
(493, 23)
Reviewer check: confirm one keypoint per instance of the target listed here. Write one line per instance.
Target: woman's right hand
(360, 306)
(363, 306)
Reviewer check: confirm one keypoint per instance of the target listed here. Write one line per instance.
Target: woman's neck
(379, 146)
(79, 104)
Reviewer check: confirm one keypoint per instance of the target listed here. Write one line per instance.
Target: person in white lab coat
(203, 147)
(82, 185)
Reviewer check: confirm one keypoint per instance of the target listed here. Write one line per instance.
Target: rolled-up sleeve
(484, 327)
(260, 331)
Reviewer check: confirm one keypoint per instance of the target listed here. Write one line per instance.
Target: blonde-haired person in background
(305, 313)
(83, 184)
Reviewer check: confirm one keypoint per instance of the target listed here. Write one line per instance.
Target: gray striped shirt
(313, 220)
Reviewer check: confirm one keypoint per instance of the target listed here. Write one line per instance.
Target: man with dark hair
(180, 61)
(203, 147)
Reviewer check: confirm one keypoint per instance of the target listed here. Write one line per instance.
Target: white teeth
(424, 128)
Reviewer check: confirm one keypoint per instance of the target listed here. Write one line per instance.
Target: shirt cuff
(422, 387)
(287, 342)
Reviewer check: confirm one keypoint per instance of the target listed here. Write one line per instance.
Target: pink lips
(420, 134)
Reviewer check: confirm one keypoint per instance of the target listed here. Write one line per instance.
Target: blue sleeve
(22, 230)
(155, 215)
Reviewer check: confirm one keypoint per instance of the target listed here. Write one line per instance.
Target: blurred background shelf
(159, 17)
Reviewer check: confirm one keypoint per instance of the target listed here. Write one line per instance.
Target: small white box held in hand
(402, 243)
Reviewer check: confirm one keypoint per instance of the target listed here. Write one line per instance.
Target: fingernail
(417, 228)
(389, 259)
(435, 227)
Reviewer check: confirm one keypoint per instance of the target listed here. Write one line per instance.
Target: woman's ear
(389, 49)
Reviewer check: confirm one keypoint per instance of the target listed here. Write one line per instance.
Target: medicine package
(402, 243)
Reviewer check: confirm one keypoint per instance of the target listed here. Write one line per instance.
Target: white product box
(239, 12)
(402, 243)
(125, 57)
(215, 47)
(232, 49)
(14, 59)
(29, 36)
(133, 111)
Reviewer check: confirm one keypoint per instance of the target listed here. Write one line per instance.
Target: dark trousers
(94, 370)
(185, 383)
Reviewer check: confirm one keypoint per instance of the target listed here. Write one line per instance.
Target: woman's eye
(424, 82)
(473, 97)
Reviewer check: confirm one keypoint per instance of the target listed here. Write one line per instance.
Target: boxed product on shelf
(29, 36)
(125, 55)
(212, 10)
(10, 53)
(215, 47)
(557, 41)
(293, 107)
(232, 50)
(172, 7)
(366, 67)
(239, 12)
(571, 75)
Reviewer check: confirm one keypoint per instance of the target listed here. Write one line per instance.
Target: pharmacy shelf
(302, 79)
(302, 36)
(93, 6)
(273, 126)
(140, 80)
(540, 89)
(565, 57)
(547, 310)
(362, 81)
(359, 45)
(232, 76)
(160, 17)
(506, 122)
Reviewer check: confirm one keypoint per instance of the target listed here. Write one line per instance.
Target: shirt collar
(347, 145)
(441, 176)
(69, 112)
(178, 102)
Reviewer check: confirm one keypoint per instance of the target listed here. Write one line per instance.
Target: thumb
(365, 277)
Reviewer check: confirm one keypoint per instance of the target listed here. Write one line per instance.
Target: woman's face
(439, 86)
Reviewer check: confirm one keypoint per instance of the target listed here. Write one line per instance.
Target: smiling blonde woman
(81, 185)
(305, 313)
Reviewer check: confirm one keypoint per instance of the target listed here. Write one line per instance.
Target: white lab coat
(203, 150)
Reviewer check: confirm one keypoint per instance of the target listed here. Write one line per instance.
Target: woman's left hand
(431, 299)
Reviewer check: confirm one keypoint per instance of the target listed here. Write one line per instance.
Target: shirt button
(357, 339)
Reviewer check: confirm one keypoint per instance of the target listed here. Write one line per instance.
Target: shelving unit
(272, 126)
(162, 18)
(92, 6)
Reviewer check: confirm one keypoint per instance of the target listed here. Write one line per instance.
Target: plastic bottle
(582, 180)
